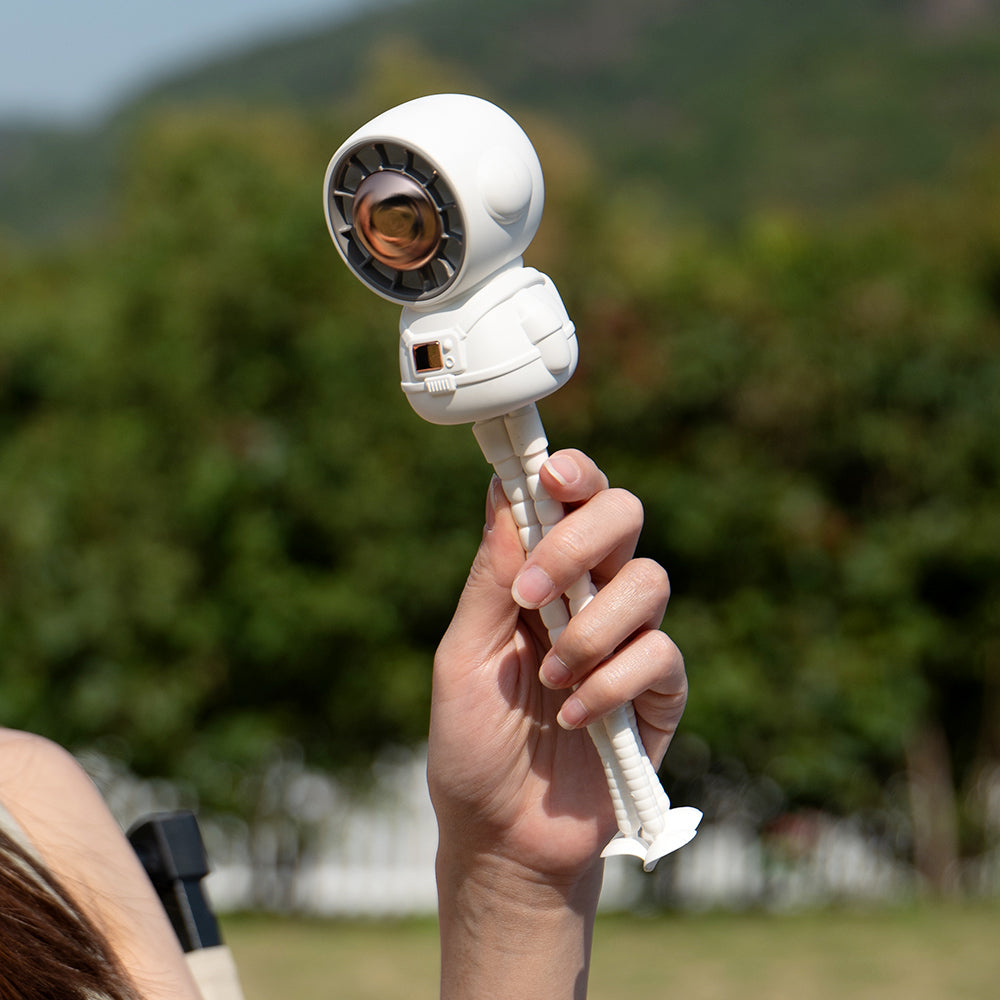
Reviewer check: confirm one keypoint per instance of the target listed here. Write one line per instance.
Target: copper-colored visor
(396, 220)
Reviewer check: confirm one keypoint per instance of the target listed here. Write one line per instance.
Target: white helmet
(431, 198)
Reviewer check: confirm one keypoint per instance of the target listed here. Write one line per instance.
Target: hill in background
(721, 107)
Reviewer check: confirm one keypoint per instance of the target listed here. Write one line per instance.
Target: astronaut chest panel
(443, 359)
(432, 363)
(508, 344)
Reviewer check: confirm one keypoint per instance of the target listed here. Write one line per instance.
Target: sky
(73, 60)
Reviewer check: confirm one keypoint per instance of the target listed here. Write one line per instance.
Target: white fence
(314, 848)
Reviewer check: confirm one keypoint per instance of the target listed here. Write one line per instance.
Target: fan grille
(405, 285)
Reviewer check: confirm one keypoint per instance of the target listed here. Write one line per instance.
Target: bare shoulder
(62, 813)
(64, 816)
(41, 782)
(16, 744)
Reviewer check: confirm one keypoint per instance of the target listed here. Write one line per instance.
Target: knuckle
(582, 643)
(629, 505)
(600, 692)
(573, 543)
(666, 652)
(651, 576)
(663, 648)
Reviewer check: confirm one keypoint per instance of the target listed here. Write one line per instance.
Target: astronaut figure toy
(438, 224)
(432, 205)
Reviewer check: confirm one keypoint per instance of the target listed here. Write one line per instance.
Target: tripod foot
(681, 826)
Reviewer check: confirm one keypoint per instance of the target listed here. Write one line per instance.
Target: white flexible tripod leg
(516, 446)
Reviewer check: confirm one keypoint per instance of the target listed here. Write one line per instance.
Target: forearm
(504, 932)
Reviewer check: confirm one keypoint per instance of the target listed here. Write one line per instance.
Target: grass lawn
(924, 953)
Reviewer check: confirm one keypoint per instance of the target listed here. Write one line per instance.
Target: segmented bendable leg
(516, 446)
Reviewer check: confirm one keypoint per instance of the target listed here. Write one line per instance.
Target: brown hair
(49, 948)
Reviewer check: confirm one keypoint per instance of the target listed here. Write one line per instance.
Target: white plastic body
(506, 344)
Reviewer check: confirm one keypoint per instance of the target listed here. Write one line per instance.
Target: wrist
(504, 923)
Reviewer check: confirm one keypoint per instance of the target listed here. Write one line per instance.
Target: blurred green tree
(811, 418)
(224, 530)
(221, 532)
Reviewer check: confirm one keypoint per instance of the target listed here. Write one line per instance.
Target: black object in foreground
(170, 847)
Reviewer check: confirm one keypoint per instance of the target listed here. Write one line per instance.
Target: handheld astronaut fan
(431, 205)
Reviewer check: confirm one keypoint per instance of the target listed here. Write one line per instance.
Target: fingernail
(492, 498)
(573, 714)
(563, 469)
(532, 588)
(554, 673)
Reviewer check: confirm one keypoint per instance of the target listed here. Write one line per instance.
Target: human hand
(514, 777)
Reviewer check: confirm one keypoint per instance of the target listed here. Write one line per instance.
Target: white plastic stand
(516, 446)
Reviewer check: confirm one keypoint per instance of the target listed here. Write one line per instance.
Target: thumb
(486, 614)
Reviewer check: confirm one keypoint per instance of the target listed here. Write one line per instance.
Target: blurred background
(228, 547)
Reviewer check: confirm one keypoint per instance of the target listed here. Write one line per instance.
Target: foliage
(722, 104)
(811, 419)
(220, 524)
(224, 530)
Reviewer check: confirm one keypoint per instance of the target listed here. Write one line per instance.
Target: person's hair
(49, 948)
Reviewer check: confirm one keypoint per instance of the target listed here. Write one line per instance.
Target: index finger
(572, 477)
(601, 535)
